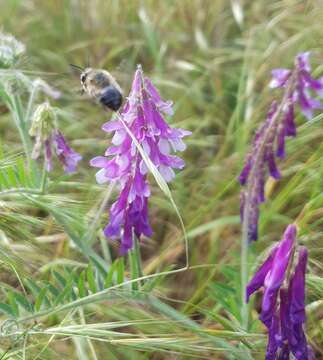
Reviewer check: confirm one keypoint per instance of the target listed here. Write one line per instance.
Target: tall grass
(64, 291)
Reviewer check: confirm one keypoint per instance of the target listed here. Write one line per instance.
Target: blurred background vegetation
(213, 58)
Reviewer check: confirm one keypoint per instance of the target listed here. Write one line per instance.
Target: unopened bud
(10, 50)
(43, 121)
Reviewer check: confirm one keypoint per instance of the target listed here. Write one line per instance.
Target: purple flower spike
(283, 308)
(253, 173)
(123, 164)
(298, 88)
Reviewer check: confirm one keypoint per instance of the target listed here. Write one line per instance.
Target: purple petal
(177, 144)
(176, 162)
(99, 161)
(286, 329)
(143, 167)
(112, 126)
(123, 161)
(261, 187)
(101, 177)
(179, 133)
(167, 173)
(68, 157)
(127, 237)
(302, 61)
(152, 91)
(279, 78)
(273, 170)
(112, 150)
(298, 288)
(316, 85)
(289, 122)
(245, 171)
(118, 137)
(273, 338)
(164, 146)
(253, 222)
(281, 143)
(166, 107)
(258, 279)
(275, 277)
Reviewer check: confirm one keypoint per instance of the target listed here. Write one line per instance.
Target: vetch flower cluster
(282, 276)
(143, 115)
(10, 50)
(299, 88)
(49, 138)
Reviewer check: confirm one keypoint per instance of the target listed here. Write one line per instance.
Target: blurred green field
(213, 58)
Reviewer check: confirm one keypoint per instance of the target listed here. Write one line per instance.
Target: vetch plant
(47, 137)
(282, 276)
(142, 114)
(298, 88)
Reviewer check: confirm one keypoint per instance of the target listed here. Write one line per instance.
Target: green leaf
(12, 177)
(33, 287)
(81, 285)
(40, 298)
(109, 278)
(66, 293)
(23, 301)
(52, 289)
(120, 270)
(99, 267)
(91, 278)
(61, 280)
(13, 303)
(6, 309)
(21, 172)
(3, 180)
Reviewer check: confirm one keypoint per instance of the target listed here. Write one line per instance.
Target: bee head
(84, 75)
(83, 78)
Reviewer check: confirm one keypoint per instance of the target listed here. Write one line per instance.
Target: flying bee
(100, 85)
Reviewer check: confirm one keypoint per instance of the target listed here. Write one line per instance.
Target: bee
(101, 86)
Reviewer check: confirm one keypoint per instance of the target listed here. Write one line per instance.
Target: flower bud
(10, 50)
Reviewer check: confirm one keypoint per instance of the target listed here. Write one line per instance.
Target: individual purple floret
(122, 163)
(299, 88)
(282, 276)
(48, 137)
(68, 157)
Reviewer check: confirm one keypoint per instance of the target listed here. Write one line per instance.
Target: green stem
(138, 256)
(21, 191)
(43, 183)
(135, 263)
(21, 125)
